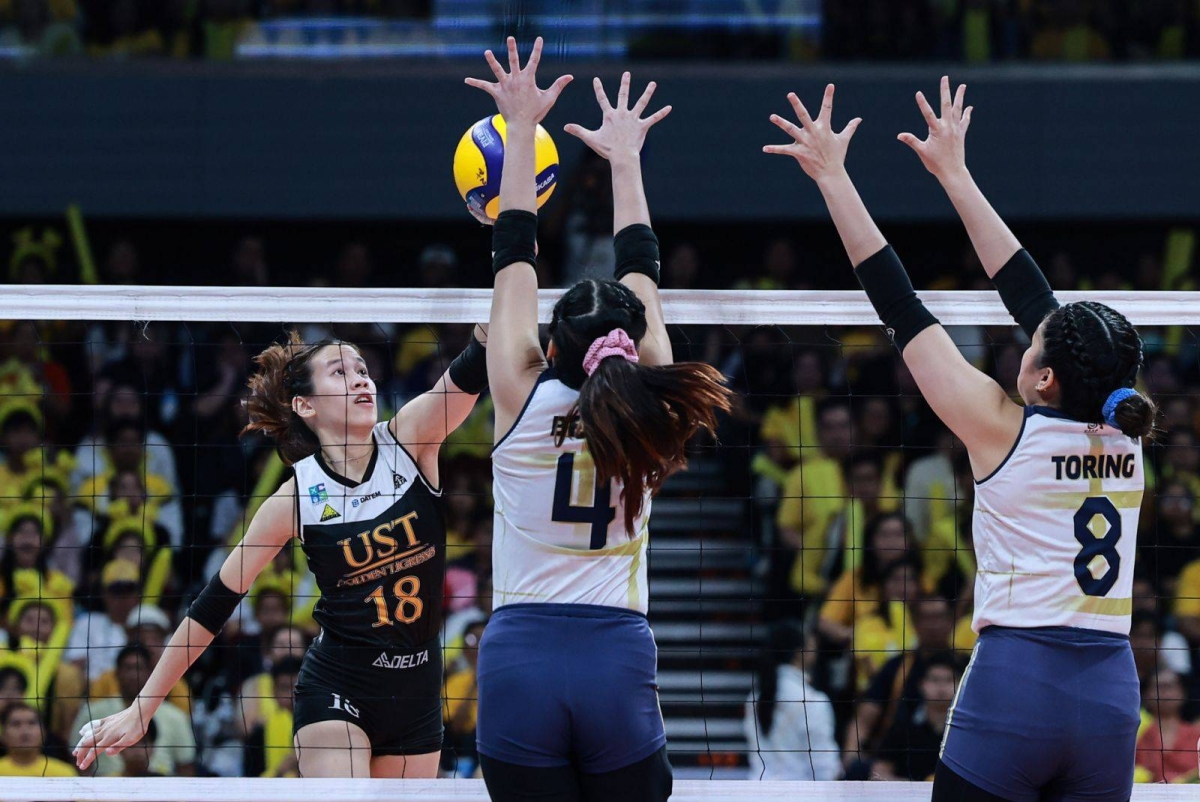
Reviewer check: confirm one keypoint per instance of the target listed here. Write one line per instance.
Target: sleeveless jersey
(1055, 528)
(558, 537)
(377, 548)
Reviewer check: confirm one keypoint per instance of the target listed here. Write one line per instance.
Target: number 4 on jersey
(599, 515)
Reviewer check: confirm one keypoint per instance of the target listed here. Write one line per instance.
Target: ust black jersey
(377, 548)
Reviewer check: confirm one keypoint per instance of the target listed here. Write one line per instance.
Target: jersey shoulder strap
(548, 391)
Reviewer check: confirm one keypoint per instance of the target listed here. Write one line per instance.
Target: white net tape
(190, 789)
(717, 307)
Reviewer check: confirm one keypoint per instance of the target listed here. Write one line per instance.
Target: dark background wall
(375, 141)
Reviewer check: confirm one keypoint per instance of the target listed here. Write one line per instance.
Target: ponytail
(283, 373)
(637, 422)
(1135, 415)
(636, 419)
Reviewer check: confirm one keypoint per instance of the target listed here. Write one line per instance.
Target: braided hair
(636, 420)
(1094, 351)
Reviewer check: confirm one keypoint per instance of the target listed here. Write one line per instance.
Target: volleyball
(479, 161)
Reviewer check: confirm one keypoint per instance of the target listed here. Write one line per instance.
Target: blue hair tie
(1110, 406)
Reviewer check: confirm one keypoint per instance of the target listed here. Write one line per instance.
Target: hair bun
(1134, 414)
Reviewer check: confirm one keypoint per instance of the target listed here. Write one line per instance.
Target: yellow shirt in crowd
(42, 767)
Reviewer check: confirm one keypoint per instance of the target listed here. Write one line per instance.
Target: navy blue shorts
(1047, 714)
(568, 684)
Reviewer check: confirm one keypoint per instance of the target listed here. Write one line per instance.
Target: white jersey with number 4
(1055, 528)
(558, 537)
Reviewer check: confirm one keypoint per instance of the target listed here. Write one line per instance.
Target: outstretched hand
(111, 735)
(516, 92)
(820, 150)
(944, 150)
(622, 130)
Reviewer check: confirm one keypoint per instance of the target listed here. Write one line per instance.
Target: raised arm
(619, 139)
(424, 423)
(273, 526)
(970, 403)
(514, 355)
(943, 152)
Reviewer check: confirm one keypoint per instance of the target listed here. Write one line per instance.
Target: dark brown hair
(636, 420)
(1094, 350)
(284, 372)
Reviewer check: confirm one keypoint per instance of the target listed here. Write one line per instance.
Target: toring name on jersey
(565, 426)
(1094, 466)
(377, 543)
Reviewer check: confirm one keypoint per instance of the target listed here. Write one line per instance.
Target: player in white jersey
(363, 503)
(568, 705)
(1048, 708)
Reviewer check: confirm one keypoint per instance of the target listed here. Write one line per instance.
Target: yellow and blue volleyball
(479, 161)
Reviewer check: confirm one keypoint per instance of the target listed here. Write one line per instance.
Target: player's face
(1031, 373)
(344, 394)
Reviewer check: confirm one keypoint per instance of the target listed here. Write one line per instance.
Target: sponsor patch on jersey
(398, 481)
(402, 660)
(366, 498)
(329, 513)
(317, 494)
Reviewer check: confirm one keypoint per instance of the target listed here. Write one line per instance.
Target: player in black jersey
(363, 504)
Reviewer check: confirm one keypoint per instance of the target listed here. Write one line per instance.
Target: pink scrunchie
(615, 343)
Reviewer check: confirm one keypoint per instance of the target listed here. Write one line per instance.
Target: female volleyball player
(568, 706)
(363, 504)
(1048, 708)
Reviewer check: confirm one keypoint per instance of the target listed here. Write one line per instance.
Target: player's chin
(363, 413)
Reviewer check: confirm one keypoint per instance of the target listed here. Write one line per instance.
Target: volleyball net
(819, 548)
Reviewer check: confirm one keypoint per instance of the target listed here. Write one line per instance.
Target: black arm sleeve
(215, 604)
(891, 293)
(1026, 293)
(469, 370)
(514, 239)
(636, 249)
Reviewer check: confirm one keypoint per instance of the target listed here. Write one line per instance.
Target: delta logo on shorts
(317, 494)
(401, 660)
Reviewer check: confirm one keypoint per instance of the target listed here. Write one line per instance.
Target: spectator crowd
(123, 484)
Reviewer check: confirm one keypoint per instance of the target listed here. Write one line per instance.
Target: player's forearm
(517, 184)
(629, 193)
(860, 236)
(992, 239)
(186, 645)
